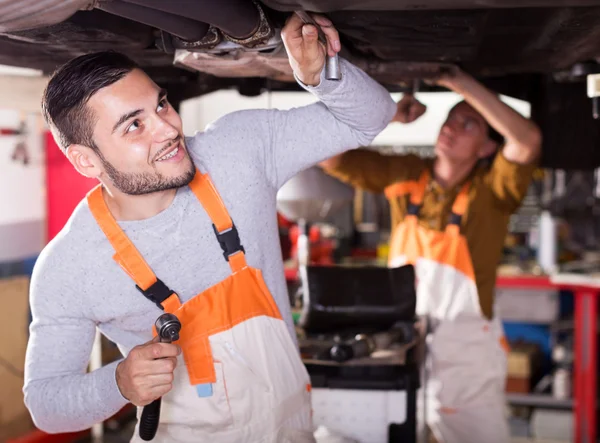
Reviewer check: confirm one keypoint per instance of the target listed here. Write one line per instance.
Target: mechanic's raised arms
(305, 52)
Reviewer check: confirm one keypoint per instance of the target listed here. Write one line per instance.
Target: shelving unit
(586, 290)
(539, 401)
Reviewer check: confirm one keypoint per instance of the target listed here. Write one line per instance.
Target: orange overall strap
(408, 187)
(458, 209)
(225, 230)
(416, 197)
(126, 254)
(400, 188)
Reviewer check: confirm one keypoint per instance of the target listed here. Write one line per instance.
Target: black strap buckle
(230, 241)
(157, 293)
(413, 209)
(455, 219)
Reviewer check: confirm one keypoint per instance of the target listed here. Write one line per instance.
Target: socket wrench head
(168, 327)
(332, 68)
(332, 65)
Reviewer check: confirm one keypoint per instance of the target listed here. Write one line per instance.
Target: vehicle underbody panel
(531, 49)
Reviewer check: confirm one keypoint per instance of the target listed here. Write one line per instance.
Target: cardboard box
(524, 359)
(524, 364)
(517, 385)
(14, 333)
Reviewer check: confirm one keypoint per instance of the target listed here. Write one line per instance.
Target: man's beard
(133, 183)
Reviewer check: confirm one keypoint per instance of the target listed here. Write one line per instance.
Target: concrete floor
(123, 438)
(528, 440)
(125, 434)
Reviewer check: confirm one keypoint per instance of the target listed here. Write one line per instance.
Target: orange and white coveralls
(465, 369)
(241, 378)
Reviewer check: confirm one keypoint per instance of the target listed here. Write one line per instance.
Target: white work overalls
(465, 368)
(241, 378)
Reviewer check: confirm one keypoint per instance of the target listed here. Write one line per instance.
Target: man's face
(139, 137)
(463, 136)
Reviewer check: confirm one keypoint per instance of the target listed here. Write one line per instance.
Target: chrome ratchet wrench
(332, 66)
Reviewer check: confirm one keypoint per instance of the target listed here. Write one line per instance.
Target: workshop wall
(65, 187)
(199, 112)
(22, 218)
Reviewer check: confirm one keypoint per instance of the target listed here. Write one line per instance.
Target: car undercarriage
(537, 50)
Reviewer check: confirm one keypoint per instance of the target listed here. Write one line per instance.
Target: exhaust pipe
(239, 19)
(184, 28)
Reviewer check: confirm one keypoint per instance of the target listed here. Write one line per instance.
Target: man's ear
(488, 148)
(85, 160)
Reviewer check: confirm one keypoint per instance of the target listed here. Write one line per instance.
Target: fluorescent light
(14, 70)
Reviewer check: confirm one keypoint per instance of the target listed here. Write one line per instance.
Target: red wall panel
(65, 187)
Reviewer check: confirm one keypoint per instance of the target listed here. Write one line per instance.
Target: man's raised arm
(350, 112)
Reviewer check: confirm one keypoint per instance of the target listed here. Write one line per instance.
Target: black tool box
(351, 397)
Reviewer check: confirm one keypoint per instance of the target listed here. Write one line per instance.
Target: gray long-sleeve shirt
(77, 286)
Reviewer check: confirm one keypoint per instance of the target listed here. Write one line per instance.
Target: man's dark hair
(64, 104)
